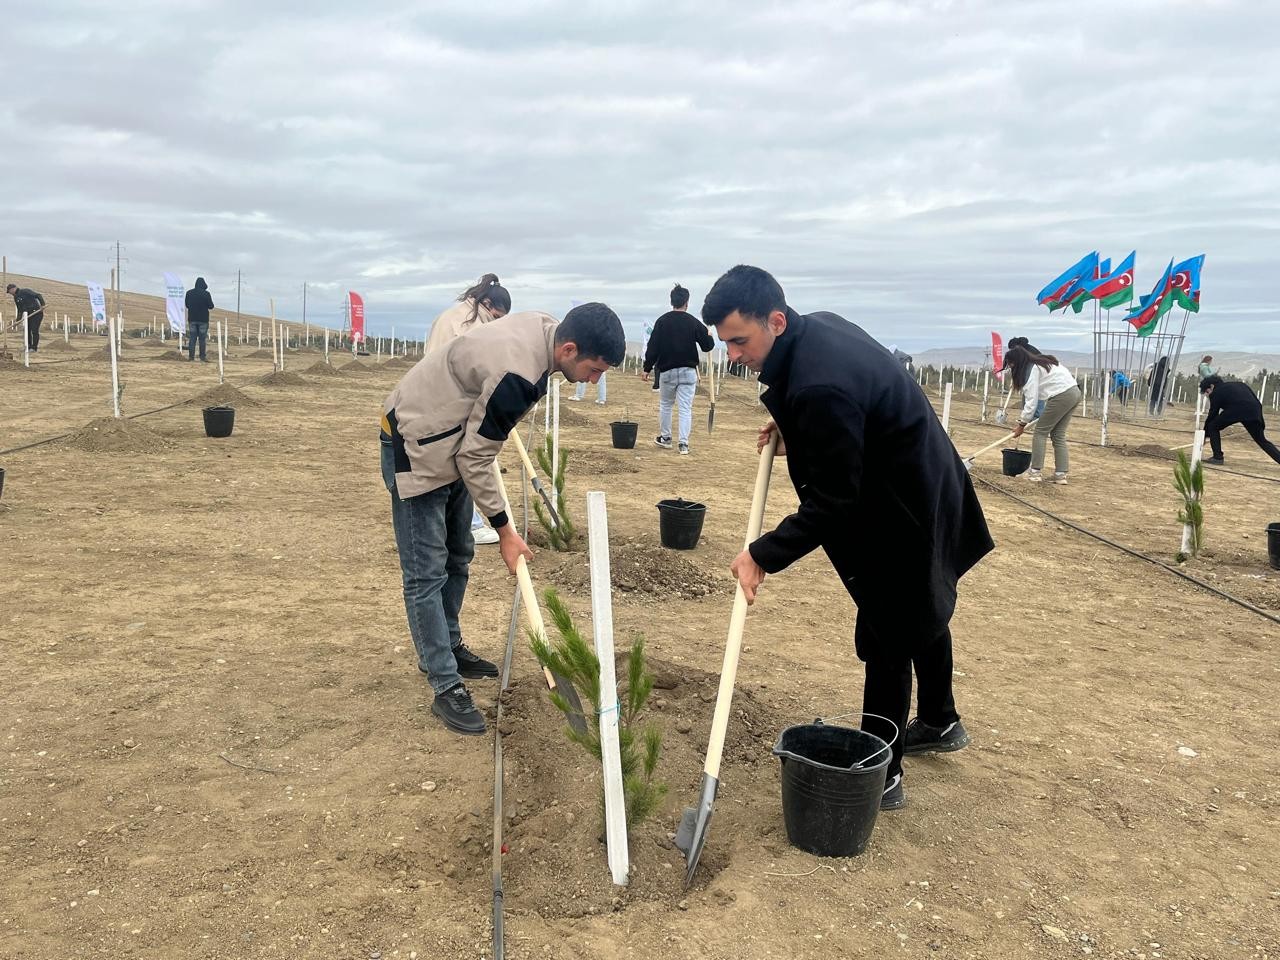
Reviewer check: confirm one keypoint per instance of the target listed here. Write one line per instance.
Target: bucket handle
(858, 713)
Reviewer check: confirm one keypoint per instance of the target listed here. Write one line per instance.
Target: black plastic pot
(218, 421)
(1015, 461)
(624, 434)
(1273, 538)
(680, 523)
(832, 781)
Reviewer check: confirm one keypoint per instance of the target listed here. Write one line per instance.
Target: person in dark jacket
(199, 303)
(673, 353)
(882, 491)
(32, 304)
(1231, 401)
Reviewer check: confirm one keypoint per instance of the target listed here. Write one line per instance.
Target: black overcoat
(881, 487)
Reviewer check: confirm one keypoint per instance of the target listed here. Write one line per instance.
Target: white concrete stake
(259, 334)
(1106, 409)
(393, 343)
(26, 348)
(1084, 397)
(220, 378)
(115, 371)
(1262, 390)
(615, 813)
(326, 346)
(555, 436)
(946, 411)
(986, 392)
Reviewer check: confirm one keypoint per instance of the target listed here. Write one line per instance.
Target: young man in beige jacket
(442, 428)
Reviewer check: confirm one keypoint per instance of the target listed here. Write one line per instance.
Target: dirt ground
(217, 745)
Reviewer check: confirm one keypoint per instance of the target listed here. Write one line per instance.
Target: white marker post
(220, 379)
(1084, 397)
(259, 334)
(986, 393)
(615, 813)
(1106, 409)
(66, 329)
(1262, 390)
(284, 340)
(946, 411)
(378, 352)
(555, 436)
(26, 342)
(393, 343)
(115, 370)
(326, 345)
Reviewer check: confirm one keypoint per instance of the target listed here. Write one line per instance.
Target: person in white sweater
(1040, 377)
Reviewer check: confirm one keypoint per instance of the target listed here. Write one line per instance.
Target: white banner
(97, 303)
(175, 303)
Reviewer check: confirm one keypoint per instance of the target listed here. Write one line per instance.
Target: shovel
(695, 822)
(711, 393)
(533, 477)
(1002, 416)
(556, 684)
(968, 461)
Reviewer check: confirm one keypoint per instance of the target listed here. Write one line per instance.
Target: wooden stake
(220, 377)
(946, 411)
(115, 372)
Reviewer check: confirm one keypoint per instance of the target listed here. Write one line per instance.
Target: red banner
(357, 317)
(997, 354)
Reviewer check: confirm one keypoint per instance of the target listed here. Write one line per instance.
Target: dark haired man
(882, 492)
(673, 353)
(199, 302)
(32, 304)
(1231, 401)
(442, 428)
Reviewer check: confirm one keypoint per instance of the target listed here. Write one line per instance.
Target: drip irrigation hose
(1131, 552)
(132, 416)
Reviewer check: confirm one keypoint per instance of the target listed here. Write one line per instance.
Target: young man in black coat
(32, 304)
(882, 491)
(1231, 401)
(199, 302)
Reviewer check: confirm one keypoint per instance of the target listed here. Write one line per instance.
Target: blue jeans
(677, 387)
(602, 391)
(433, 536)
(198, 330)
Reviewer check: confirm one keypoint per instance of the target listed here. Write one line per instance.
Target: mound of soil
(263, 354)
(50, 345)
(223, 395)
(323, 369)
(556, 863)
(172, 356)
(357, 368)
(399, 363)
(608, 465)
(111, 435)
(642, 572)
(570, 417)
(283, 378)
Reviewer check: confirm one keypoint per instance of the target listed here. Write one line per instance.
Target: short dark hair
(11, 286)
(1212, 380)
(596, 330)
(679, 297)
(749, 290)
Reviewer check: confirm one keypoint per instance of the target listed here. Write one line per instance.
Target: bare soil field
(217, 743)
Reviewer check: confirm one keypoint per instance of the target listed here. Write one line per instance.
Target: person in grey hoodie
(199, 303)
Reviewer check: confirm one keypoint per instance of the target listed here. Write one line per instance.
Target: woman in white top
(1041, 377)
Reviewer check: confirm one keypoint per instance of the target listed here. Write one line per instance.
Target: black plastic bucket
(832, 783)
(1273, 538)
(624, 434)
(680, 523)
(218, 421)
(1015, 461)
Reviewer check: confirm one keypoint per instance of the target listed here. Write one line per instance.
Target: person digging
(442, 428)
(882, 491)
(1230, 402)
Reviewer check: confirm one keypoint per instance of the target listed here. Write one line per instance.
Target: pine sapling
(572, 658)
(560, 536)
(1189, 483)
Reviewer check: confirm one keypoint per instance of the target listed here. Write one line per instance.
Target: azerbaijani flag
(1153, 306)
(1053, 292)
(1113, 290)
(1079, 291)
(1185, 283)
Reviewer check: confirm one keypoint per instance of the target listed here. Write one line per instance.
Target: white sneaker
(484, 535)
(600, 403)
(1035, 476)
(573, 399)
(1060, 479)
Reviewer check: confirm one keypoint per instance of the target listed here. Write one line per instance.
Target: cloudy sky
(922, 168)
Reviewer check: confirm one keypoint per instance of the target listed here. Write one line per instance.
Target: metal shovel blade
(577, 719)
(711, 415)
(694, 824)
(542, 492)
(1002, 417)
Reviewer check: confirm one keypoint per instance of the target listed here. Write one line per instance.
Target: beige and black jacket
(449, 416)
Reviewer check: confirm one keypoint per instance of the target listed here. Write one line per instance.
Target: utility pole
(237, 299)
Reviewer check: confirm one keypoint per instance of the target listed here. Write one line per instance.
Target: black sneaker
(663, 441)
(457, 712)
(1216, 461)
(922, 738)
(473, 667)
(894, 797)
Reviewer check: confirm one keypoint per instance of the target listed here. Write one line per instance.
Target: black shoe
(473, 667)
(457, 712)
(922, 738)
(1216, 461)
(663, 441)
(894, 797)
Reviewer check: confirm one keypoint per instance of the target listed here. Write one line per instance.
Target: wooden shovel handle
(528, 597)
(524, 454)
(738, 618)
(991, 446)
